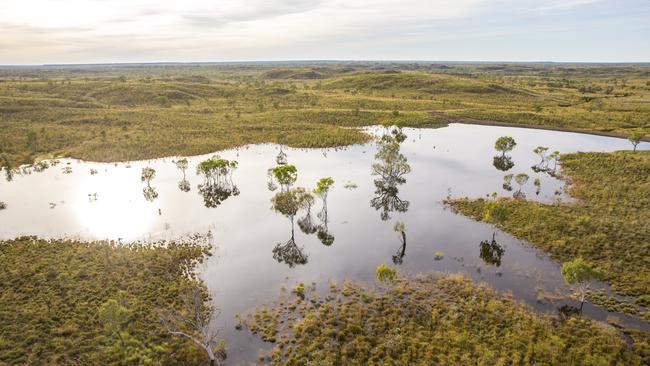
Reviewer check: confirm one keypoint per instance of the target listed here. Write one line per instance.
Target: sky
(103, 31)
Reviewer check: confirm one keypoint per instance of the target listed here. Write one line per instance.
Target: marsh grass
(431, 320)
(52, 292)
(607, 225)
(128, 113)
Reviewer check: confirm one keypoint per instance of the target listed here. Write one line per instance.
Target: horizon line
(320, 61)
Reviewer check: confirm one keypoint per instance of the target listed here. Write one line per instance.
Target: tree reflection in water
(322, 190)
(390, 167)
(183, 184)
(217, 183)
(288, 203)
(148, 192)
(491, 252)
(400, 228)
(503, 162)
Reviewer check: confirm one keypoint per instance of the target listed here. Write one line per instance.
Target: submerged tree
(390, 167)
(217, 183)
(322, 189)
(521, 179)
(507, 182)
(288, 203)
(183, 184)
(504, 144)
(146, 176)
(194, 322)
(579, 273)
(284, 175)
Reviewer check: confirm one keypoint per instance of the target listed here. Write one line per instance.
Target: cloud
(151, 30)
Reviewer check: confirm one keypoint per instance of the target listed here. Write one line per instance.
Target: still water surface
(66, 200)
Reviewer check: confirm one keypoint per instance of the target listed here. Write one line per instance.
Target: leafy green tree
(635, 138)
(505, 144)
(521, 179)
(541, 151)
(288, 203)
(285, 175)
(578, 272)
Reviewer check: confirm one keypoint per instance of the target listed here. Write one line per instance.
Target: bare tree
(193, 323)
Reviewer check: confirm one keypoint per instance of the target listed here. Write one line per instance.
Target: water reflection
(568, 311)
(504, 144)
(183, 184)
(390, 166)
(491, 252)
(322, 189)
(503, 163)
(149, 193)
(288, 203)
(548, 163)
(217, 183)
(400, 228)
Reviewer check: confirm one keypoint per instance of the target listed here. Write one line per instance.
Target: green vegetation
(431, 320)
(117, 113)
(385, 273)
(504, 144)
(607, 225)
(68, 302)
(578, 272)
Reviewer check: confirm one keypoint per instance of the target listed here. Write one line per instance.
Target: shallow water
(455, 160)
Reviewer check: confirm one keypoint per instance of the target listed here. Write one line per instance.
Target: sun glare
(112, 207)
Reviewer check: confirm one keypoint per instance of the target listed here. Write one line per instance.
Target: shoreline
(472, 121)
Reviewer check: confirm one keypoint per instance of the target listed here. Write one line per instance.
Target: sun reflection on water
(111, 206)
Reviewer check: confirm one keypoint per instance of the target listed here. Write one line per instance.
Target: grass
(607, 225)
(114, 113)
(432, 320)
(51, 293)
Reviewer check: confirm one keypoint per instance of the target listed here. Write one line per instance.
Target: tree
(183, 184)
(390, 167)
(194, 323)
(635, 138)
(579, 273)
(541, 151)
(285, 175)
(507, 182)
(288, 203)
(147, 175)
(521, 179)
(217, 183)
(505, 144)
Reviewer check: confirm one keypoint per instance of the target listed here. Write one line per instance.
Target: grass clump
(69, 302)
(433, 320)
(607, 225)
